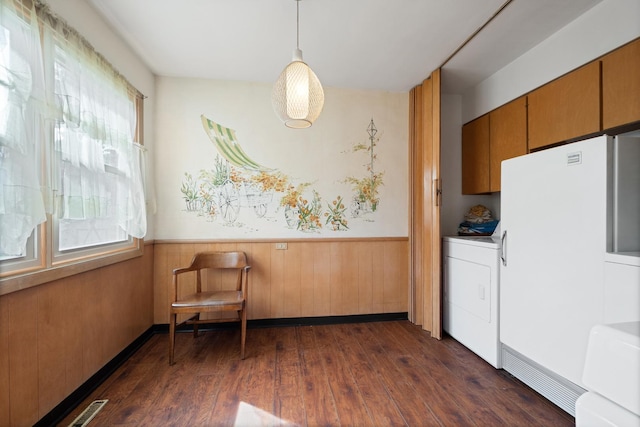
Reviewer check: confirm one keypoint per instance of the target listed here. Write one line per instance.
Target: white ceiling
(360, 44)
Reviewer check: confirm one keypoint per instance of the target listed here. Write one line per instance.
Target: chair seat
(209, 299)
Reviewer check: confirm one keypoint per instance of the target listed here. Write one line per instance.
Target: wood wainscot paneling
(55, 336)
(310, 278)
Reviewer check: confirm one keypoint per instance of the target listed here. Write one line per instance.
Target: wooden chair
(210, 301)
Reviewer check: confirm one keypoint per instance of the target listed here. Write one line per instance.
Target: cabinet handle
(503, 248)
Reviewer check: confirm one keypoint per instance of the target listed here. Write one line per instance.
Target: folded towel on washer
(477, 229)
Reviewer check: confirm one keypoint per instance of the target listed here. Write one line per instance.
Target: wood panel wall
(308, 279)
(55, 336)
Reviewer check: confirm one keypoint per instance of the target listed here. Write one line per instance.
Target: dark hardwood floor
(363, 374)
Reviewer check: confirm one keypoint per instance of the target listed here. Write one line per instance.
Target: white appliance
(557, 224)
(622, 260)
(471, 277)
(612, 375)
(622, 285)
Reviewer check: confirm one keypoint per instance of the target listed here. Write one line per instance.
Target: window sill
(35, 278)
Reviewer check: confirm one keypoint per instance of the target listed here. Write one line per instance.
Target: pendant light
(297, 95)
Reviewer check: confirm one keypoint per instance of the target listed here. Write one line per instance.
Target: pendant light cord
(297, 24)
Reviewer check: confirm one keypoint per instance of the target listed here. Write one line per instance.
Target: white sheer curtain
(23, 139)
(133, 218)
(99, 175)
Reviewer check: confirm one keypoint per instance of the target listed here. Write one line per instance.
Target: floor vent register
(87, 415)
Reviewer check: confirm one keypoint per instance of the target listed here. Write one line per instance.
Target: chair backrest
(215, 260)
(218, 260)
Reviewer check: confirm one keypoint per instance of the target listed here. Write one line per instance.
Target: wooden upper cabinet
(490, 139)
(475, 156)
(621, 86)
(507, 135)
(565, 108)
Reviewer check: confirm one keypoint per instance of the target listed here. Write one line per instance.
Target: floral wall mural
(366, 190)
(242, 178)
(237, 182)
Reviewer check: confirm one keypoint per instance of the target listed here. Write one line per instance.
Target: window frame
(44, 262)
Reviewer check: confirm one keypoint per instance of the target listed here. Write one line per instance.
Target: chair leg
(243, 331)
(172, 336)
(195, 325)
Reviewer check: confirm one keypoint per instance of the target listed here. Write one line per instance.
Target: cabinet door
(508, 135)
(565, 108)
(621, 86)
(475, 156)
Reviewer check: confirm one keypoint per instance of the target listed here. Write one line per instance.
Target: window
(71, 165)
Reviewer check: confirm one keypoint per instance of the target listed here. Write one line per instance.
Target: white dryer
(471, 294)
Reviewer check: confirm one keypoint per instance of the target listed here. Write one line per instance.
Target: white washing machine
(471, 294)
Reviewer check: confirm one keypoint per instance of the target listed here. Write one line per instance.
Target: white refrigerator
(554, 207)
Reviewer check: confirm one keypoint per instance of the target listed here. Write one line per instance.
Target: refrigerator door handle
(503, 248)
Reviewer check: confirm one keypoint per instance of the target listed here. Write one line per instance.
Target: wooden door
(416, 235)
(426, 295)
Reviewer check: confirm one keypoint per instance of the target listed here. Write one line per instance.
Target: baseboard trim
(64, 408)
(327, 320)
(290, 321)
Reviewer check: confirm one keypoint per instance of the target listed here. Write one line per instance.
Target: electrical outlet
(281, 246)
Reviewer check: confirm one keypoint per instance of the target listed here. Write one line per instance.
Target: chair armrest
(182, 270)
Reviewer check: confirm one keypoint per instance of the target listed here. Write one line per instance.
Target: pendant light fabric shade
(297, 96)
